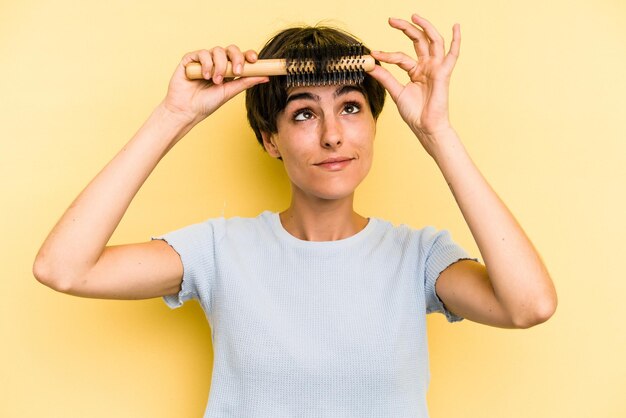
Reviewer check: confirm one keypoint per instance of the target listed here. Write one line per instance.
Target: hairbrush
(306, 65)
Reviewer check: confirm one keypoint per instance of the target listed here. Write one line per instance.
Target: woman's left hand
(423, 101)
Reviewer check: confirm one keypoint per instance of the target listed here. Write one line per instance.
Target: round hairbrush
(306, 66)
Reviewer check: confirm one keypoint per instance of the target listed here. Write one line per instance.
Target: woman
(318, 310)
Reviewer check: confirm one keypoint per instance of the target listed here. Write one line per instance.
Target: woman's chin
(330, 193)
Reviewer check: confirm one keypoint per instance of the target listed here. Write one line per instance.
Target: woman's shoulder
(407, 234)
(405, 229)
(216, 228)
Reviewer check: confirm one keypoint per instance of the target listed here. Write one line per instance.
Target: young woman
(317, 310)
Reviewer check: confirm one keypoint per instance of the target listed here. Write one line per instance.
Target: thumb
(388, 81)
(233, 88)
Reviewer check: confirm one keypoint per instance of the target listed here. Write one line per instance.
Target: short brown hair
(264, 102)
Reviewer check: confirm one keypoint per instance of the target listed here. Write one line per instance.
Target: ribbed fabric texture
(314, 329)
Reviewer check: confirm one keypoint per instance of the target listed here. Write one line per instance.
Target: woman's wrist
(175, 117)
(169, 125)
(439, 142)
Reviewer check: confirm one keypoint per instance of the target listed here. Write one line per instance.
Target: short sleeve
(440, 252)
(195, 244)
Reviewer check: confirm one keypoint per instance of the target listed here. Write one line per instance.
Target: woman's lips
(335, 163)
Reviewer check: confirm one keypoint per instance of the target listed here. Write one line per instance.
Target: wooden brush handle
(270, 67)
(259, 68)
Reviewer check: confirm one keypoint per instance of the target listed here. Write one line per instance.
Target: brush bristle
(328, 65)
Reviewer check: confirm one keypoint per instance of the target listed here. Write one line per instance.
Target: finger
(387, 80)
(218, 54)
(203, 57)
(236, 58)
(437, 46)
(206, 61)
(400, 59)
(451, 58)
(420, 41)
(251, 55)
(455, 46)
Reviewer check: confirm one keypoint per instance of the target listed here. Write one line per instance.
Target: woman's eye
(351, 108)
(302, 115)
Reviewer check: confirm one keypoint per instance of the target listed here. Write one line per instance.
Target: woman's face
(325, 139)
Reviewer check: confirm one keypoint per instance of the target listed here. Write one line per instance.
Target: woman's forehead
(318, 92)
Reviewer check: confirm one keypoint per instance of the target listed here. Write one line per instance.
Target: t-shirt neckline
(284, 235)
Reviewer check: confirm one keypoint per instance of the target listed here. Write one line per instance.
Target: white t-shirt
(314, 329)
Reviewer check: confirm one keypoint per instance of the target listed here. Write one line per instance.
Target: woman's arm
(513, 289)
(74, 257)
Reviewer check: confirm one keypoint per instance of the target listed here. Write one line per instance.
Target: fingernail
(238, 69)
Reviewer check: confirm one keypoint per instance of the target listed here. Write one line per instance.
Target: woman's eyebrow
(305, 95)
(345, 89)
(302, 96)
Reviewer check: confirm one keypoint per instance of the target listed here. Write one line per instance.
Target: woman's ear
(270, 145)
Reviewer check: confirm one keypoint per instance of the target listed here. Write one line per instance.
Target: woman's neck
(322, 220)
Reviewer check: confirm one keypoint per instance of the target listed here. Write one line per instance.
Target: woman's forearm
(78, 239)
(518, 276)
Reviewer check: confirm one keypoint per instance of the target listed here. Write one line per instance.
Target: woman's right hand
(197, 99)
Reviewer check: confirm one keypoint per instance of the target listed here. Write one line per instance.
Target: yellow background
(538, 96)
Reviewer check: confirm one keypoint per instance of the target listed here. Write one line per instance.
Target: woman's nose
(332, 136)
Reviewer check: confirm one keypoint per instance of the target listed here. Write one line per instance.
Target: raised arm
(75, 258)
(513, 289)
